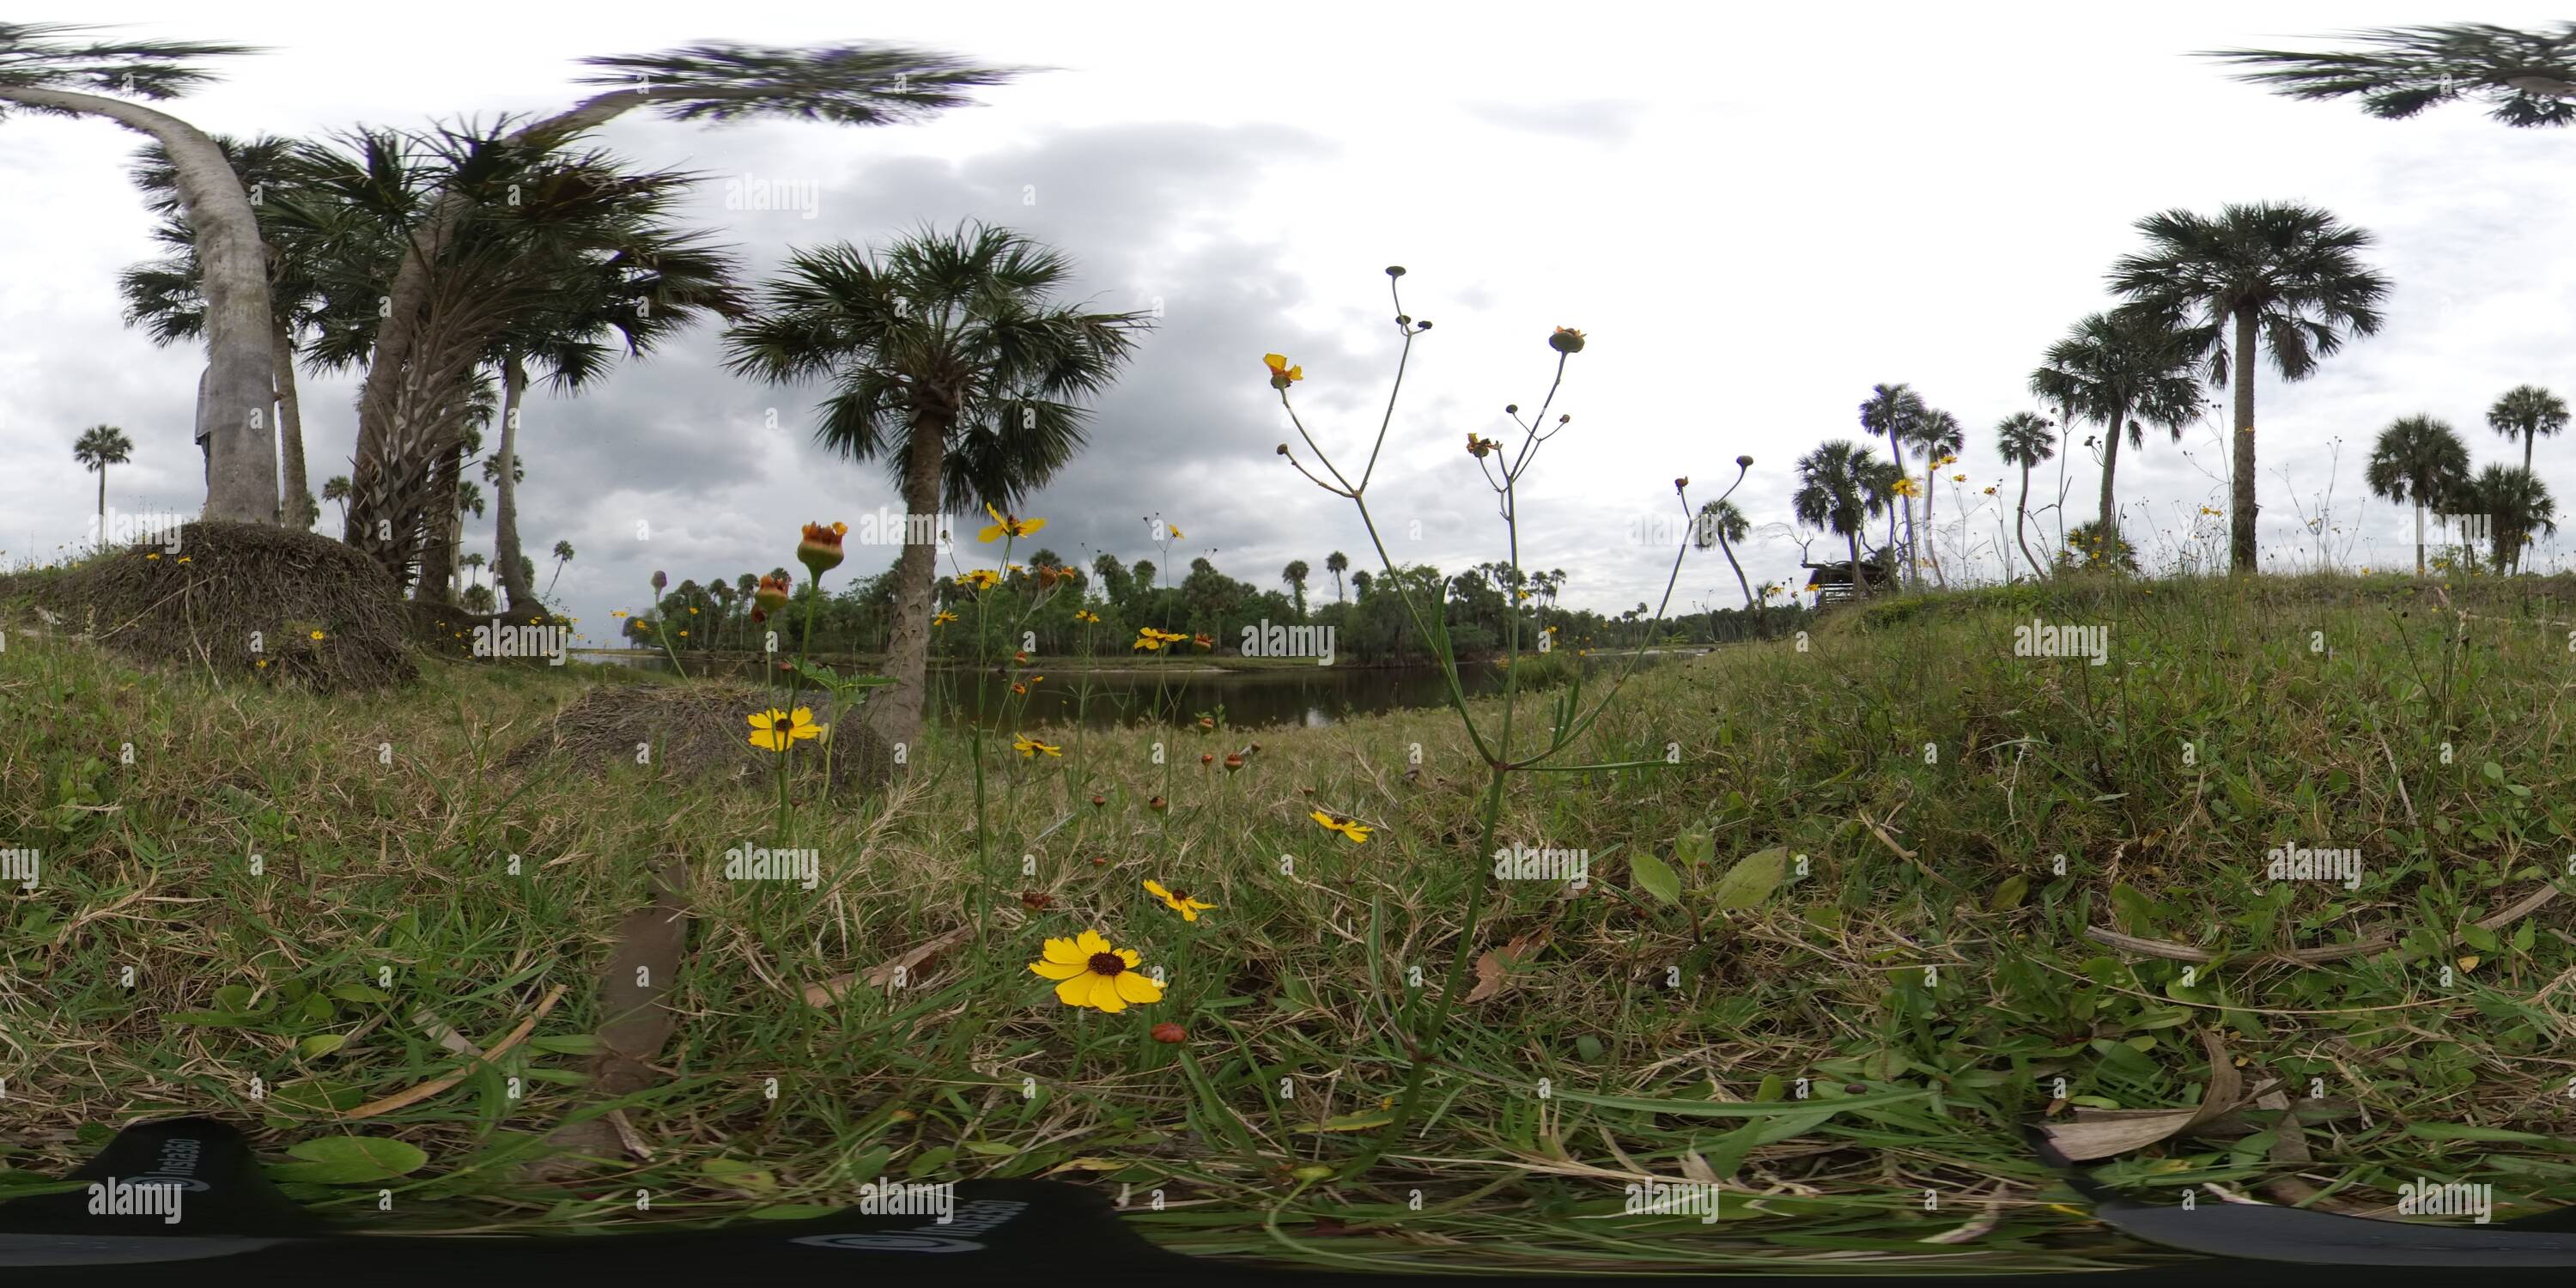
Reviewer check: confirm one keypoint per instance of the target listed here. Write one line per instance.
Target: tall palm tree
(49, 68)
(1337, 563)
(1295, 575)
(2517, 506)
(1830, 483)
(472, 564)
(848, 85)
(1938, 435)
(162, 295)
(953, 361)
(1885, 488)
(469, 500)
(98, 447)
(2421, 460)
(2125, 370)
(2281, 276)
(2527, 412)
(2025, 439)
(1890, 413)
(563, 555)
(1722, 524)
(337, 489)
(2524, 77)
(1360, 583)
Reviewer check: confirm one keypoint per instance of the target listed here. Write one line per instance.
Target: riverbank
(1929, 971)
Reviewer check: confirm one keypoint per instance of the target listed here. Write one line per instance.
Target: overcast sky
(1755, 214)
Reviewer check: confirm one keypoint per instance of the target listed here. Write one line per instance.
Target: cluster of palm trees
(2421, 461)
(450, 260)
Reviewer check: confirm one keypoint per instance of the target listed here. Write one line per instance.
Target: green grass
(1306, 975)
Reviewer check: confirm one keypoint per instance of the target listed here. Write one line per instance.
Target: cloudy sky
(1755, 214)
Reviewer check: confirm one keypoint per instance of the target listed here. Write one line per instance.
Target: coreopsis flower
(1022, 688)
(1020, 656)
(943, 618)
(1907, 487)
(979, 579)
(1281, 374)
(1096, 974)
(1030, 747)
(1481, 447)
(1357, 831)
(1085, 615)
(1566, 340)
(1233, 761)
(771, 595)
(1945, 460)
(1681, 483)
(1961, 478)
(1007, 525)
(1203, 641)
(152, 556)
(1149, 644)
(1990, 489)
(1178, 901)
(776, 730)
(1176, 532)
(319, 635)
(1206, 758)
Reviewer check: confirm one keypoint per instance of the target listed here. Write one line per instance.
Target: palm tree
(1295, 575)
(563, 555)
(1830, 481)
(623, 274)
(1891, 413)
(2284, 276)
(1885, 488)
(472, 563)
(2124, 369)
(2025, 439)
(162, 295)
(1360, 583)
(1722, 524)
(337, 489)
(1937, 433)
(953, 362)
(45, 68)
(469, 500)
(2517, 506)
(1337, 563)
(848, 85)
(2527, 412)
(2524, 77)
(98, 447)
(478, 599)
(2421, 460)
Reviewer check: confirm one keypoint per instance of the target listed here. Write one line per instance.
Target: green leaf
(2462, 1131)
(1739, 1109)
(1699, 847)
(349, 1160)
(1587, 1047)
(1350, 1122)
(2493, 771)
(568, 1044)
(2010, 893)
(2480, 938)
(320, 1044)
(929, 1161)
(992, 1148)
(1654, 877)
(359, 993)
(1752, 879)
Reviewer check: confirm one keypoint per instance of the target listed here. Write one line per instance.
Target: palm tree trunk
(2241, 524)
(505, 512)
(2021, 515)
(1932, 551)
(441, 553)
(898, 714)
(2530, 436)
(2108, 525)
(102, 505)
(1896, 452)
(2419, 535)
(241, 481)
(1740, 582)
(1852, 539)
(293, 496)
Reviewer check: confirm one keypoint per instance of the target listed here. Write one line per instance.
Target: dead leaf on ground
(2100, 1133)
(1493, 970)
(881, 975)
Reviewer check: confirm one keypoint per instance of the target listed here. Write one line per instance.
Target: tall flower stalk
(1503, 468)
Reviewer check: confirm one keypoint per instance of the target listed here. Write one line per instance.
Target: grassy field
(1930, 976)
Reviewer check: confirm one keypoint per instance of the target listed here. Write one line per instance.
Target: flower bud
(1566, 340)
(1169, 1032)
(1744, 462)
(1395, 270)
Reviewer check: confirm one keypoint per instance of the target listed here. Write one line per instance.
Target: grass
(1671, 1036)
